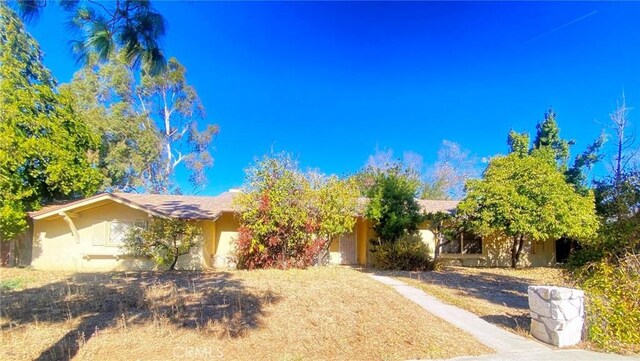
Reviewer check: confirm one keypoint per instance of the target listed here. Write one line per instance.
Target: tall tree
(527, 197)
(106, 96)
(177, 108)
(548, 143)
(548, 136)
(45, 148)
(577, 173)
(624, 138)
(105, 27)
(149, 128)
(518, 143)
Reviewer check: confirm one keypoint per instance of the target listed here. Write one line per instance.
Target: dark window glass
(472, 244)
(466, 243)
(450, 245)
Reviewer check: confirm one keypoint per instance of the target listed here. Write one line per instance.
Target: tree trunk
(514, 261)
(176, 254)
(516, 250)
(438, 242)
(173, 264)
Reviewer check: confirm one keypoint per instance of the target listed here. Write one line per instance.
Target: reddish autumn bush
(288, 217)
(274, 253)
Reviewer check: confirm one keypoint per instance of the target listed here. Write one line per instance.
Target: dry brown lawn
(317, 314)
(498, 295)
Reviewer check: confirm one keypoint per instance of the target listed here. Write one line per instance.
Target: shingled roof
(198, 207)
(187, 207)
(427, 205)
(435, 206)
(174, 206)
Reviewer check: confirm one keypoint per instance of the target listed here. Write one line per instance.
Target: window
(118, 230)
(463, 243)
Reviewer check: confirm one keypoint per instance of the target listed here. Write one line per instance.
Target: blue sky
(330, 82)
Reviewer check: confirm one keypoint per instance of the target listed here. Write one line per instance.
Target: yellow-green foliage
(613, 303)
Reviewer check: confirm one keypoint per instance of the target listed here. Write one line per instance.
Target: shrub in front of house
(289, 217)
(407, 254)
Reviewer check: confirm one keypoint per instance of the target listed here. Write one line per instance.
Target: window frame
(130, 224)
(460, 239)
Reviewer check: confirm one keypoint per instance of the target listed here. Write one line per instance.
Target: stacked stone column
(557, 314)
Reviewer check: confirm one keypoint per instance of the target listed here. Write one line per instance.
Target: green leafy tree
(527, 197)
(46, 150)
(149, 128)
(334, 204)
(103, 28)
(392, 206)
(105, 95)
(288, 218)
(164, 240)
(518, 143)
(577, 174)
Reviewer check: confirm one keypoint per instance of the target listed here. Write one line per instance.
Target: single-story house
(87, 235)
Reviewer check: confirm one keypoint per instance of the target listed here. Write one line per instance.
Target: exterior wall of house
(226, 231)
(427, 236)
(496, 252)
(55, 246)
(209, 242)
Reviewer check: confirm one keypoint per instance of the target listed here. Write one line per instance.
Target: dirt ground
(325, 313)
(498, 295)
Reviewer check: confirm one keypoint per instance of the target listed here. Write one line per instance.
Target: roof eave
(105, 196)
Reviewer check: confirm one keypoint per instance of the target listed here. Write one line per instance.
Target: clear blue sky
(331, 81)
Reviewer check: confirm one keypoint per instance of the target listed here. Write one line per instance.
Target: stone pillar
(557, 314)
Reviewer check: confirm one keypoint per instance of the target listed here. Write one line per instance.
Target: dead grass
(319, 314)
(498, 295)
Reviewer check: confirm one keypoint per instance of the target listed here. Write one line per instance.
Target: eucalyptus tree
(174, 104)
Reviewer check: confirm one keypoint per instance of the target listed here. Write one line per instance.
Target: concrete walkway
(508, 346)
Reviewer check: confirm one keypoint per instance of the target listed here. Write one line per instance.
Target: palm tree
(133, 26)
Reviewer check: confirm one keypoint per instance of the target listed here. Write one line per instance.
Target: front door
(348, 249)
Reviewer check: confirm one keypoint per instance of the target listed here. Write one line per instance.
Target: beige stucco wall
(428, 237)
(496, 252)
(55, 246)
(226, 232)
